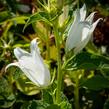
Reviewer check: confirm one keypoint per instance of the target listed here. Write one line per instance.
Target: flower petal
(34, 47)
(35, 71)
(36, 53)
(95, 24)
(75, 22)
(87, 34)
(37, 78)
(18, 52)
(84, 40)
(83, 13)
(12, 64)
(79, 15)
(75, 35)
(47, 78)
(90, 17)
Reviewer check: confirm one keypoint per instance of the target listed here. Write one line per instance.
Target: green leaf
(19, 19)
(7, 98)
(25, 86)
(53, 106)
(6, 104)
(16, 73)
(39, 16)
(4, 86)
(96, 83)
(34, 104)
(65, 105)
(47, 97)
(4, 15)
(87, 61)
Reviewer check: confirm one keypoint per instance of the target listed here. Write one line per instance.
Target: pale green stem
(59, 73)
(49, 4)
(48, 50)
(7, 29)
(76, 91)
(48, 44)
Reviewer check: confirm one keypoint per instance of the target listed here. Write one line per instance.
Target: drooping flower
(32, 65)
(80, 31)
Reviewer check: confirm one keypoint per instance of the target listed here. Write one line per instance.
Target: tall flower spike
(32, 65)
(80, 31)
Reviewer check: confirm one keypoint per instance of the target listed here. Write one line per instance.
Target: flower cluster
(32, 63)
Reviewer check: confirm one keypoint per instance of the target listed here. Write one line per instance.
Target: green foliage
(25, 86)
(47, 97)
(7, 98)
(87, 61)
(65, 105)
(90, 71)
(40, 16)
(33, 105)
(96, 83)
(41, 105)
(53, 107)
(4, 15)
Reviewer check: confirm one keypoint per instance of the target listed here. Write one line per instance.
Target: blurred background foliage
(18, 27)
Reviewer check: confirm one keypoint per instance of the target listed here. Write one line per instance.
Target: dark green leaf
(96, 83)
(47, 97)
(7, 98)
(4, 86)
(39, 16)
(87, 61)
(53, 106)
(65, 105)
(4, 15)
(34, 105)
(6, 104)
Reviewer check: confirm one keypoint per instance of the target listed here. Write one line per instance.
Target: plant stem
(76, 91)
(49, 5)
(48, 43)
(48, 50)
(59, 74)
(59, 78)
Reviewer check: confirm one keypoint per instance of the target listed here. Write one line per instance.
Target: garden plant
(54, 54)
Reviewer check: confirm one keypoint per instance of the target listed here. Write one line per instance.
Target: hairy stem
(48, 43)
(59, 73)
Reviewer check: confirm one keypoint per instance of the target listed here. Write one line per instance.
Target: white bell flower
(32, 65)
(80, 31)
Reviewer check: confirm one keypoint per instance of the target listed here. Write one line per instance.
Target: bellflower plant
(32, 65)
(81, 30)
